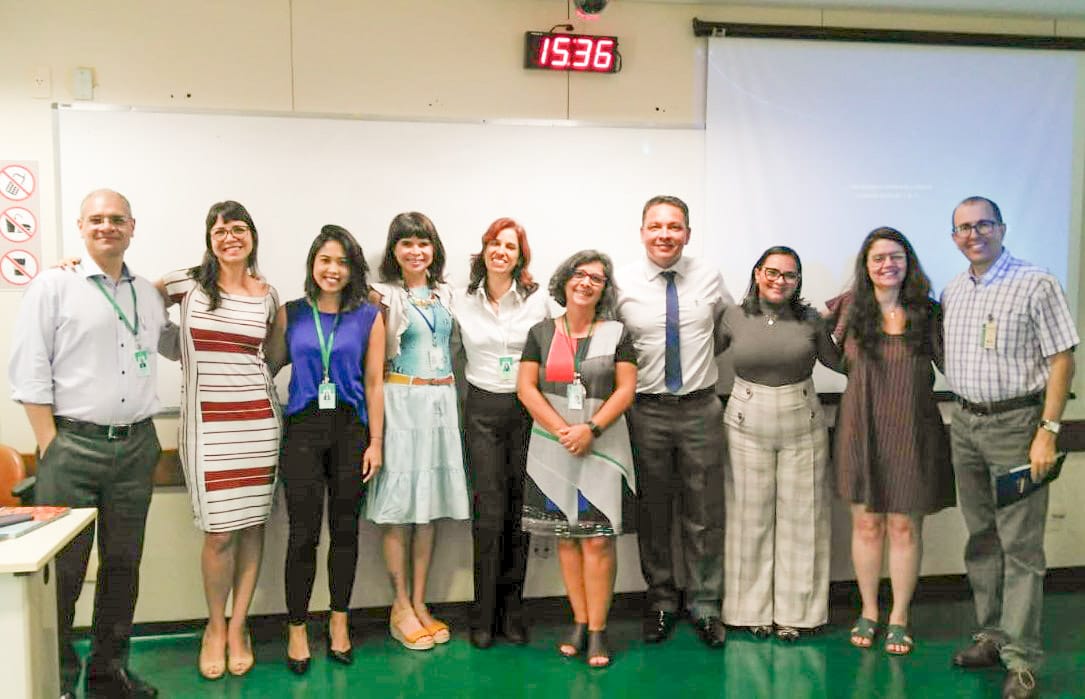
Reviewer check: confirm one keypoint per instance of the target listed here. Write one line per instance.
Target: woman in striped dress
(891, 452)
(230, 423)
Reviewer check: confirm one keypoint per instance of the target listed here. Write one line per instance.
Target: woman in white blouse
(494, 314)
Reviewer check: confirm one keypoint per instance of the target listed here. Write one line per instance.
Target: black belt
(112, 433)
(1001, 406)
(675, 398)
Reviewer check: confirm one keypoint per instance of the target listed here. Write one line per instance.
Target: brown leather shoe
(1020, 684)
(984, 652)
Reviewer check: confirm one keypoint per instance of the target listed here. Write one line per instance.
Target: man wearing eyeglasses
(83, 367)
(672, 305)
(1009, 339)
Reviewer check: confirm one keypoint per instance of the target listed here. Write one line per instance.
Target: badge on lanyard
(436, 358)
(574, 394)
(325, 392)
(504, 368)
(990, 332)
(143, 362)
(326, 395)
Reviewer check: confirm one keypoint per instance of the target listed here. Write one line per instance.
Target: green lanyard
(325, 347)
(134, 329)
(578, 351)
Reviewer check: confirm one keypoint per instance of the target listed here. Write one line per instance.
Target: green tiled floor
(820, 666)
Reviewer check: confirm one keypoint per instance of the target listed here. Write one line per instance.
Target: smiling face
(777, 279)
(502, 253)
(231, 241)
(106, 225)
(664, 233)
(585, 286)
(414, 256)
(886, 264)
(981, 250)
(331, 269)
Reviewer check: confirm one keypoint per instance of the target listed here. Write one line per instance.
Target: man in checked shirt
(1009, 339)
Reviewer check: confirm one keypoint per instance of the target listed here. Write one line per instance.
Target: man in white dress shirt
(672, 305)
(83, 367)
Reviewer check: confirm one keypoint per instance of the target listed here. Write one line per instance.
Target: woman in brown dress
(891, 453)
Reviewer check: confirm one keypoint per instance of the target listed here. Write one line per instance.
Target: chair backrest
(12, 472)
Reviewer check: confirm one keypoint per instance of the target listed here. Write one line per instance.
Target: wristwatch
(597, 431)
(1052, 426)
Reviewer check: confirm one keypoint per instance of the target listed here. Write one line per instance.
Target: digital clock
(579, 52)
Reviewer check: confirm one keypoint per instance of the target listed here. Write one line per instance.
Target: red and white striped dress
(231, 423)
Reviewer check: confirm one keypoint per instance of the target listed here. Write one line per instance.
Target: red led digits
(579, 52)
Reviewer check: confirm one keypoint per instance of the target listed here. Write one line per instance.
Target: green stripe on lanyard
(134, 329)
(325, 347)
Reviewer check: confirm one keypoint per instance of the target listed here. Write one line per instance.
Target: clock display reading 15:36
(580, 52)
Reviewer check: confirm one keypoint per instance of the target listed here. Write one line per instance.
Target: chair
(16, 488)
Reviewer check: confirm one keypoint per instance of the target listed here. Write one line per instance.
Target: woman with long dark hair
(334, 339)
(423, 479)
(230, 423)
(890, 452)
(776, 489)
(495, 312)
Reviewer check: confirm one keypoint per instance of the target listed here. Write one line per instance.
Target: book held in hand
(1016, 484)
(39, 515)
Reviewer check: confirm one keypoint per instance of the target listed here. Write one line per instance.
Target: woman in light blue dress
(423, 478)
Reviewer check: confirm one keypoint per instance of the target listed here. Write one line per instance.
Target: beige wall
(439, 59)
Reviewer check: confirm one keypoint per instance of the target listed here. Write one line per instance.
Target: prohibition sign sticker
(16, 182)
(18, 267)
(18, 224)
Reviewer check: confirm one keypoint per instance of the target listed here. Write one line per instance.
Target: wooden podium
(29, 665)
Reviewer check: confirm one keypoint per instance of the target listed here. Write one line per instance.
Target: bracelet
(596, 431)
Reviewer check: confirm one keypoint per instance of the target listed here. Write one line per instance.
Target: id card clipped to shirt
(143, 362)
(574, 394)
(504, 368)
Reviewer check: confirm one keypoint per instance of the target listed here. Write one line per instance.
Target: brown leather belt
(1001, 406)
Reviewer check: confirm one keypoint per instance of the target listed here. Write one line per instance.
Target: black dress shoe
(658, 626)
(514, 631)
(118, 684)
(343, 657)
(481, 638)
(711, 631)
(984, 652)
(298, 667)
(1020, 684)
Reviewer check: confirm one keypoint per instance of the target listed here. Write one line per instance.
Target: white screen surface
(814, 144)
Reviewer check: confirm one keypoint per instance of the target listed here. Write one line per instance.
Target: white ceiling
(1031, 8)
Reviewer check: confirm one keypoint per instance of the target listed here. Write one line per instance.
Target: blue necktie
(672, 357)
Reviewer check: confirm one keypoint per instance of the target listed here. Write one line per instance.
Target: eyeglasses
(894, 257)
(596, 279)
(772, 274)
(237, 232)
(114, 220)
(984, 228)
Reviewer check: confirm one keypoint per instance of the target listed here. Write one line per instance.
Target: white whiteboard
(571, 186)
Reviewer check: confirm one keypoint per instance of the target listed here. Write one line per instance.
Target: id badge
(436, 358)
(326, 396)
(504, 368)
(143, 363)
(990, 332)
(574, 395)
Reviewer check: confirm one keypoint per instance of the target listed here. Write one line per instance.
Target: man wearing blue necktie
(672, 306)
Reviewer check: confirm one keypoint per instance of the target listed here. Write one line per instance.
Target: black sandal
(597, 648)
(575, 640)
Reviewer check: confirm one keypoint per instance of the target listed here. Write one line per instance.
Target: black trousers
(496, 431)
(678, 450)
(80, 469)
(322, 449)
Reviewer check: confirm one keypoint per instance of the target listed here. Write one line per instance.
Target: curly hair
(865, 318)
(608, 301)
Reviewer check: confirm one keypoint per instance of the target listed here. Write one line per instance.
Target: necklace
(770, 318)
(422, 301)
